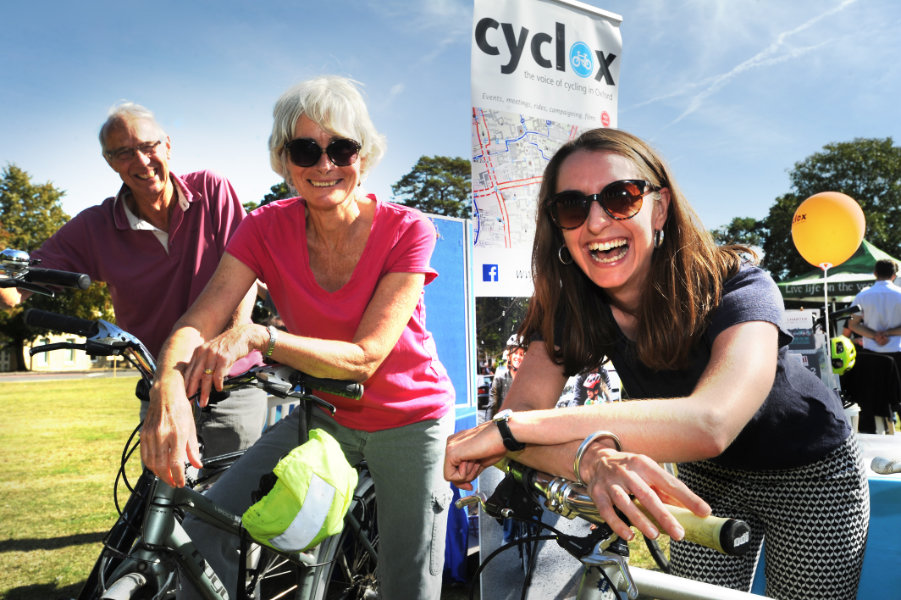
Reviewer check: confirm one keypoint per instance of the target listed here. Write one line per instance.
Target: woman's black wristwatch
(510, 442)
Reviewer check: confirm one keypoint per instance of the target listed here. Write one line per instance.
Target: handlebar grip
(729, 536)
(55, 277)
(338, 387)
(48, 320)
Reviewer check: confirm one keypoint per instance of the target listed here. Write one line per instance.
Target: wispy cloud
(450, 21)
(780, 50)
(396, 90)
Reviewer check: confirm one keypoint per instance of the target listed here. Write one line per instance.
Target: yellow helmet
(844, 353)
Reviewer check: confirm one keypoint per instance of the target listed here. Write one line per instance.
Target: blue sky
(732, 92)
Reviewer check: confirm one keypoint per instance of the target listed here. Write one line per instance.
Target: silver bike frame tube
(654, 584)
(162, 530)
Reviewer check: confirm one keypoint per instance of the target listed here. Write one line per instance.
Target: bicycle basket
(308, 502)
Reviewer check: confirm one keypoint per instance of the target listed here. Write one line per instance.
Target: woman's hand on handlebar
(614, 478)
(211, 361)
(469, 452)
(168, 436)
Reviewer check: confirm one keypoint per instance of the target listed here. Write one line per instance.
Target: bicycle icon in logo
(581, 60)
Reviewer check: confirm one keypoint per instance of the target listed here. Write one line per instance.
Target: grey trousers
(406, 464)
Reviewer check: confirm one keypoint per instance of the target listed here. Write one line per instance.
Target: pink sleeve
(242, 244)
(412, 251)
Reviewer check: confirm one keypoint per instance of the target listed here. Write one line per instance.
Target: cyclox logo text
(548, 52)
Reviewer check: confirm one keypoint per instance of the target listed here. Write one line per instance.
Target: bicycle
(606, 573)
(147, 545)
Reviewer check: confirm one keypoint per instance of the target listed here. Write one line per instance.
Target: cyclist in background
(156, 243)
(624, 269)
(346, 272)
(515, 350)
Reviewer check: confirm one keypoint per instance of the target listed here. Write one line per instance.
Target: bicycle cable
(503, 548)
(127, 452)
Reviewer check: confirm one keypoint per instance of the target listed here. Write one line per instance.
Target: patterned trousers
(814, 519)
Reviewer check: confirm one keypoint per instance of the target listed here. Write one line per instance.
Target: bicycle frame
(162, 535)
(165, 545)
(146, 555)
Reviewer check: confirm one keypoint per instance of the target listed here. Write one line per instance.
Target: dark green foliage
(29, 214)
(439, 185)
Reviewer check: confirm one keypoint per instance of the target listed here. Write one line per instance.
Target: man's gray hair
(127, 111)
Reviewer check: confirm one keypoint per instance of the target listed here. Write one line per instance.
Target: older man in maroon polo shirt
(156, 244)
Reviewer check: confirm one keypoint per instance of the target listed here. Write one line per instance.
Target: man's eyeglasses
(305, 152)
(620, 199)
(125, 154)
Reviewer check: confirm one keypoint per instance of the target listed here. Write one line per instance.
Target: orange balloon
(827, 229)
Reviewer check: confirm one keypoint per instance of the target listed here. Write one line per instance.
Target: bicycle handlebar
(105, 339)
(285, 381)
(48, 320)
(567, 498)
(345, 389)
(56, 277)
(20, 270)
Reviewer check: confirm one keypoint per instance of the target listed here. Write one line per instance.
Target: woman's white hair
(336, 105)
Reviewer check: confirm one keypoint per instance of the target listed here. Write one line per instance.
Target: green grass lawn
(60, 446)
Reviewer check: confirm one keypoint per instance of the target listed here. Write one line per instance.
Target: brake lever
(31, 287)
(57, 346)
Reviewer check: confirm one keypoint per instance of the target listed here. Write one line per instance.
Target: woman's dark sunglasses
(305, 152)
(621, 200)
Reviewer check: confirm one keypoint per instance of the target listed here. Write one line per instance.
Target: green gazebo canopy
(845, 280)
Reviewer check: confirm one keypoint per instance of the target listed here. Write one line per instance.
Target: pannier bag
(308, 502)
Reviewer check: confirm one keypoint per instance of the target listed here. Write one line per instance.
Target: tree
(278, 191)
(29, 214)
(866, 169)
(439, 185)
(741, 230)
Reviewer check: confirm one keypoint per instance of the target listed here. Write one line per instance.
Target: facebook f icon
(489, 272)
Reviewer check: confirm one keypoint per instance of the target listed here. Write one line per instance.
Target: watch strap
(510, 442)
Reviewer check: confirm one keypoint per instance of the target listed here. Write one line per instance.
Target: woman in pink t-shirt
(346, 273)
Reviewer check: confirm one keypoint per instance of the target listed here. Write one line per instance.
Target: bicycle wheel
(349, 569)
(279, 577)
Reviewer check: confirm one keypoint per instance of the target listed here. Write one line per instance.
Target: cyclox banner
(542, 71)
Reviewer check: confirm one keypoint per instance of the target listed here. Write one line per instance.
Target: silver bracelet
(273, 336)
(609, 435)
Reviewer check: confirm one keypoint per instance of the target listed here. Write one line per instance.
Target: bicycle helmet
(844, 354)
(515, 341)
(308, 502)
(592, 381)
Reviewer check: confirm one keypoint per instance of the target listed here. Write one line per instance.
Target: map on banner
(509, 153)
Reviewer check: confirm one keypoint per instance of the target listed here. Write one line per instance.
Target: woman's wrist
(607, 438)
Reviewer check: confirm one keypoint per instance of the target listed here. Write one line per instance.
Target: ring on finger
(207, 371)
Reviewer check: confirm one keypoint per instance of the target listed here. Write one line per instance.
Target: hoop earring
(658, 238)
(561, 256)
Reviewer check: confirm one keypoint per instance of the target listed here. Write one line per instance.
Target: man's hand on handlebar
(614, 479)
(168, 436)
